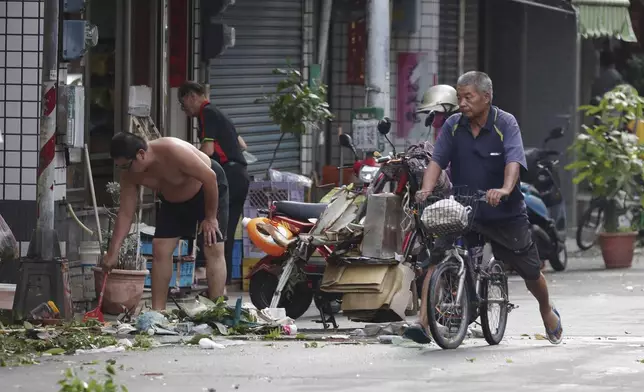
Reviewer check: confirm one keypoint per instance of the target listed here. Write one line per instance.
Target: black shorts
(511, 242)
(175, 220)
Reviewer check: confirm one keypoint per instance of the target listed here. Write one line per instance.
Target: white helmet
(439, 98)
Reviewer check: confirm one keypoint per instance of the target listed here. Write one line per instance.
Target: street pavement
(603, 350)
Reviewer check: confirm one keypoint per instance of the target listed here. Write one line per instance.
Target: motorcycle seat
(300, 211)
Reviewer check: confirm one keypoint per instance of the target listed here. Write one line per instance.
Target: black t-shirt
(215, 127)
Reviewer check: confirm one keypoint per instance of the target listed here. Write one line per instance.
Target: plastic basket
(238, 255)
(261, 194)
(447, 215)
(186, 273)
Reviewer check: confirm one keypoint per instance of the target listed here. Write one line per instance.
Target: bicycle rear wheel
(590, 224)
(448, 320)
(494, 296)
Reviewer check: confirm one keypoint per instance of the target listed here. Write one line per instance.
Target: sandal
(552, 334)
(418, 334)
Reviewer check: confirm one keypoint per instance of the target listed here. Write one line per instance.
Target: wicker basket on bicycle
(448, 215)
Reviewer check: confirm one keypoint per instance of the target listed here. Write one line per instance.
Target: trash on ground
(208, 344)
(390, 339)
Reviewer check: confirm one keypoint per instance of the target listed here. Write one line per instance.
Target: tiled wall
(308, 47)
(21, 26)
(196, 58)
(345, 97)
(21, 44)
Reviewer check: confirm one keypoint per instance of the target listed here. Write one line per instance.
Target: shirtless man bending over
(192, 188)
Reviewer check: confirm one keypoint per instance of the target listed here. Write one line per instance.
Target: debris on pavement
(202, 319)
(208, 344)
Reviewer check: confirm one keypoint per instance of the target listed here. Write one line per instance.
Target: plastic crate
(260, 194)
(181, 249)
(238, 254)
(186, 273)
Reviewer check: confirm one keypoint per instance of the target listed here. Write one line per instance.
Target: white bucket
(89, 253)
(7, 292)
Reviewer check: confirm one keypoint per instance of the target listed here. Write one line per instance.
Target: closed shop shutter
(268, 36)
(448, 43)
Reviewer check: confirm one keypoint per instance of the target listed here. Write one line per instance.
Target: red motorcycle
(303, 282)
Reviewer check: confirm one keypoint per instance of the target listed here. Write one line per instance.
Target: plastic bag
(278, 176)
(8, 244)
(447, 215)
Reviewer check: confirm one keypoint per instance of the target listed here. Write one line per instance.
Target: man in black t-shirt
(220, 141)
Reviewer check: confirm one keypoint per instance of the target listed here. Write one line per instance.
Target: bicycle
(469, 282)
(593, 220)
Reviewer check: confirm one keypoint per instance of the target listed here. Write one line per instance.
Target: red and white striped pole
(46, 245)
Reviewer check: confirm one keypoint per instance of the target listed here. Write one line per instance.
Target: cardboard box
(247, 266)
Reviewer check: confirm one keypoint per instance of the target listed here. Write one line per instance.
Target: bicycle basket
(444, 216)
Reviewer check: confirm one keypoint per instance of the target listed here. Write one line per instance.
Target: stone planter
(124, 288)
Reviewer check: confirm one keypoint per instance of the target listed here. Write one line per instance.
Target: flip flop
(552, 334)
(417, 333)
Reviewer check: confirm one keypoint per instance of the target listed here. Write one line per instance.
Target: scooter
(299, 218)
(545, 203)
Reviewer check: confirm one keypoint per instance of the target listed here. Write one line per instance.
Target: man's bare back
(164, 176)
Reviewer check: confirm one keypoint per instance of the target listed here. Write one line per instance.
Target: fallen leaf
(640, 360)
(525, 335)
(28, 325)
(508, 360)
(539, 336)
(471, 360)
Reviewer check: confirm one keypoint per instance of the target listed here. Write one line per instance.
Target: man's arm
(209, 132)
(123, 223)
(441, 157)
(514, 154)
(190, 164)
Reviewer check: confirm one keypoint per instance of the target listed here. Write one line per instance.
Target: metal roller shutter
(268, 36)
(448, 43)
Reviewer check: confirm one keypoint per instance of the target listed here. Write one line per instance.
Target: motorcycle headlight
(368, 173)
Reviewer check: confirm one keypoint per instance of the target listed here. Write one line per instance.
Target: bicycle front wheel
(448, 320)
(494, 306)
(589, 226)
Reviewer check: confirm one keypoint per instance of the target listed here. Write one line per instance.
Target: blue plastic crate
(238, 253)
(146, 248)
(186, 274)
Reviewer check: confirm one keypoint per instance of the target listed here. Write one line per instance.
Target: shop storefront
(540, 55)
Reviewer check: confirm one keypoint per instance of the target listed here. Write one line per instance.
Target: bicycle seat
(300, 211)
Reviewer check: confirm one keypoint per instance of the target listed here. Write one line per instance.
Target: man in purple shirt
(483, 147)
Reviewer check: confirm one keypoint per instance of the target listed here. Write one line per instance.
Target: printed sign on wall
(414, 79)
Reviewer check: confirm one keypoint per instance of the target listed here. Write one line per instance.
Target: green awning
(605, 18)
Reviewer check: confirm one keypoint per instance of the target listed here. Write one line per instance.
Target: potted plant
(611, 160)
(125, 283)
(295, 106)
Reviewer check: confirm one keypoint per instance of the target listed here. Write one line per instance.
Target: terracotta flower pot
(124, 287)
(617, 249)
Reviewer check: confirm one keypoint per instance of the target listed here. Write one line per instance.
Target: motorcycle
(298, 218)
(541, 188)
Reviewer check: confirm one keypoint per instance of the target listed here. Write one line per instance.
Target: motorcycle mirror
(384, 126)
(430, 119)
(556, 133)
(346, 140)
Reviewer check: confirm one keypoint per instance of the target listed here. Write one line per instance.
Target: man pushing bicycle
(484, 147)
